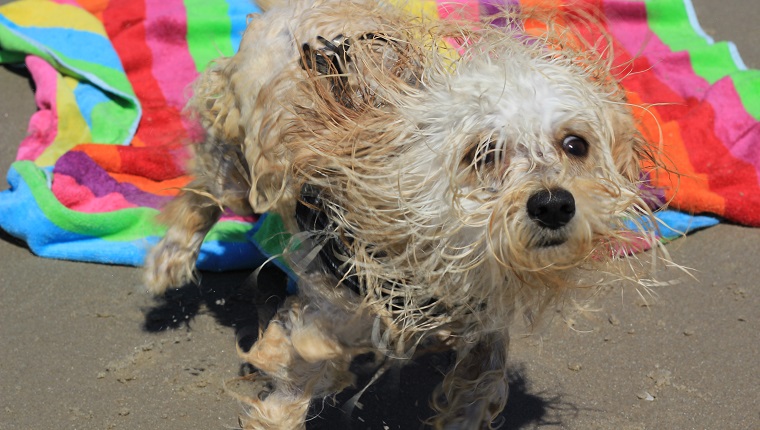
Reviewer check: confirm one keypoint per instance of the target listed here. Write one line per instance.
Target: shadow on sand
(397, 400)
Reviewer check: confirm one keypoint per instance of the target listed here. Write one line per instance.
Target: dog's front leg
(221, 182)
(303, 354)
(171, 263)
(475, 390)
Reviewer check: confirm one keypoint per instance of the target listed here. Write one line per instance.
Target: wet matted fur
(437, 177)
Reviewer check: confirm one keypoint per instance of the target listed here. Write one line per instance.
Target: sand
(83, 347)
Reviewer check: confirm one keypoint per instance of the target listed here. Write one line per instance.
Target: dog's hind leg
(475, 391)
(221, 181)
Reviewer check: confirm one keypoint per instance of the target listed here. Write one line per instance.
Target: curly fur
(427, 161)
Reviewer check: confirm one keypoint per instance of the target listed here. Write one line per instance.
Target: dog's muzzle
(551, 209)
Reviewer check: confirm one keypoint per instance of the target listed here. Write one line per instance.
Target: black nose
(551, 208)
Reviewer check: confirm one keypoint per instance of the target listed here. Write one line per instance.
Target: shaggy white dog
(437, 178)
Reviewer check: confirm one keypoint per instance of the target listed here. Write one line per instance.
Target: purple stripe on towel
(89, 174)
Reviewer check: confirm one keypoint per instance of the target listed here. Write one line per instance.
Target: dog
(438, 178)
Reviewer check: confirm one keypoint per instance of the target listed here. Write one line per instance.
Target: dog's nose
(551, 208)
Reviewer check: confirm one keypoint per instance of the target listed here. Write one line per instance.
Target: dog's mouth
(547, 239)
(550, 243)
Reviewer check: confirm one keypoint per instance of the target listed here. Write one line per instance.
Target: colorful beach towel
(107, 146)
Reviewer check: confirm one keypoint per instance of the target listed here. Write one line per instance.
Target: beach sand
(82, 346)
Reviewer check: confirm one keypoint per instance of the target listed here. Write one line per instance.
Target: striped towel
(106, 148)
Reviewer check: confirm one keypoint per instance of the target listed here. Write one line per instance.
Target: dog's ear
(628, 146)
(329, 65)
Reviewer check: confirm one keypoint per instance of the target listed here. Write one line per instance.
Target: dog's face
(542, 160)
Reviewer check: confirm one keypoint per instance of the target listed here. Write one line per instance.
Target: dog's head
(541, 158)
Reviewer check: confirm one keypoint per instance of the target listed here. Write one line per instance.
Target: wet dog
(437, 178)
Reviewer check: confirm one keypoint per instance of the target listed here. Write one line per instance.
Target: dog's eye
(575, 146)
(482, 154)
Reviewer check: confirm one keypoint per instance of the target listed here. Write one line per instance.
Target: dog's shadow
(400, 400)
(397, 400)
(234, 299)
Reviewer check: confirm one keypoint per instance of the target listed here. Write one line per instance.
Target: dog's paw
(250, 389)
(171, 264)
(266, 406)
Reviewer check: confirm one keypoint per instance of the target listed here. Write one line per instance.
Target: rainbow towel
(105, 150)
